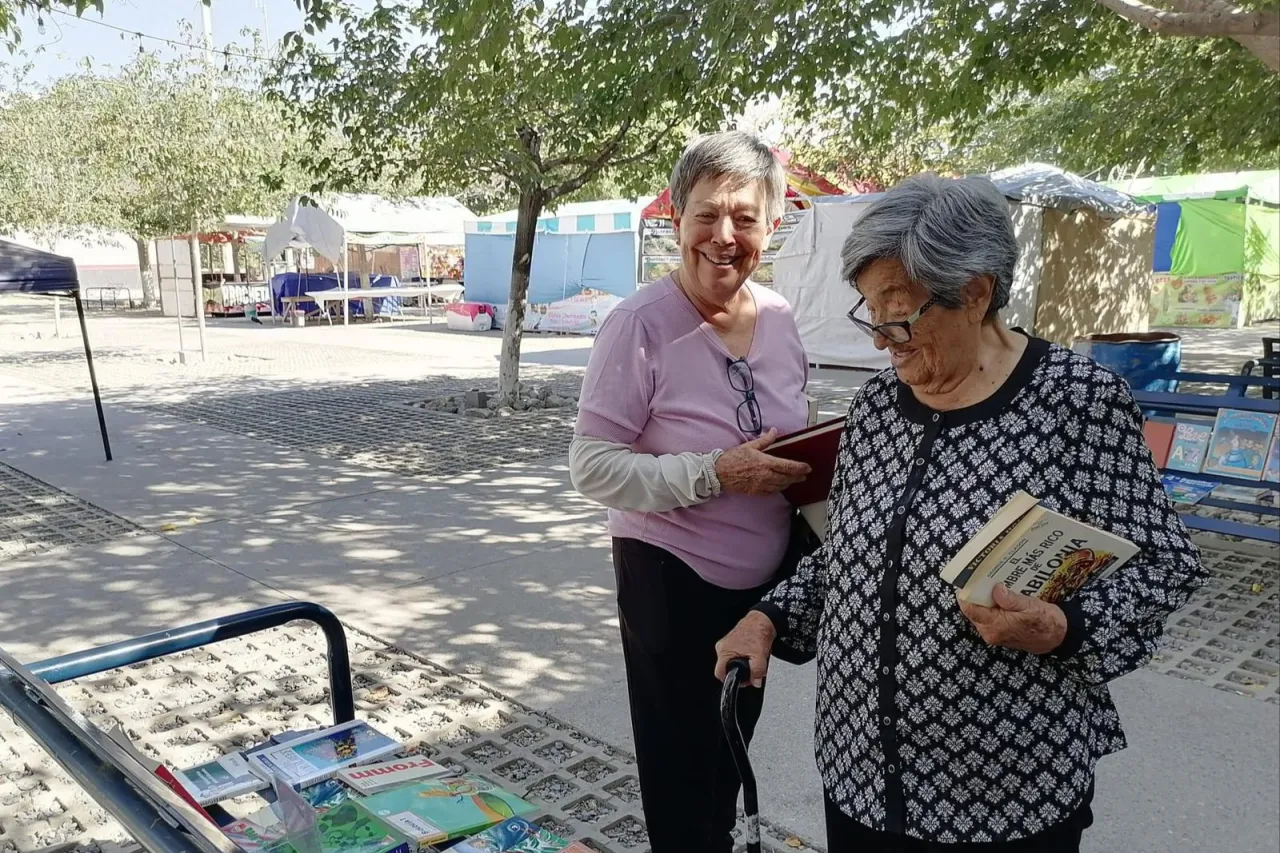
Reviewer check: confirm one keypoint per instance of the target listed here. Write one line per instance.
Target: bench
(1177, 403)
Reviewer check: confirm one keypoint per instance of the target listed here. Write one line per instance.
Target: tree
(158, 149)
(904, 71)
(541, 98)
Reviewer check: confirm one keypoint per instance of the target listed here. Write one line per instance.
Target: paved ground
(293, 465)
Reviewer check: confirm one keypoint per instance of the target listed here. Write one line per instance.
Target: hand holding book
(1017, 621)
(747, 469)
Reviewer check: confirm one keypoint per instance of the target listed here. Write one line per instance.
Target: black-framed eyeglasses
(740, 378)
(898, 331)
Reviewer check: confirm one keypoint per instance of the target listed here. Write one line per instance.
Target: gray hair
(945, 233)
(736, 155)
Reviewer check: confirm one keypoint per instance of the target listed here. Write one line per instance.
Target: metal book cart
(157, 818)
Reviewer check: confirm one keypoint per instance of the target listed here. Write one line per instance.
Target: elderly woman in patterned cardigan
(940, 723)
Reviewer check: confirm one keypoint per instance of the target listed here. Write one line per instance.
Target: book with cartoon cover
(1032, 550)
(437, 810)
(1239, 444)
(518, 836)
(1189, 447)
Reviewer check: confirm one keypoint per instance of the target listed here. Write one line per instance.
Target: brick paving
(194, 706)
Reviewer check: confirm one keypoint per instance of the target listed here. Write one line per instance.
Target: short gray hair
(736, 155)
(945, 232)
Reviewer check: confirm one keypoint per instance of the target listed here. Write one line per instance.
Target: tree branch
(1207, 20)
(575, 184)
(1264, 48)
(606, 151)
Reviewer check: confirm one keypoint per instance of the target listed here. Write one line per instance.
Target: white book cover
(320, 755)
(1034, 551)
(225, 777)
(372, 778)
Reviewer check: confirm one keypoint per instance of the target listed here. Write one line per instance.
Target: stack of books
(1239, 444)
(349, 789)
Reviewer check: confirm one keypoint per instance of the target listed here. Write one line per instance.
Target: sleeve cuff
(782, 650)
(1074, 638)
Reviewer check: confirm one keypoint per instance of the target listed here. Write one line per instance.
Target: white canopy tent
(369, 220)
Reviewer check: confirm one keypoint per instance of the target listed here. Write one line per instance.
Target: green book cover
(348, 829)
(436, 810)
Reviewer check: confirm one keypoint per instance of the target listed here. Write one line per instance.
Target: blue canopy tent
(24, 270)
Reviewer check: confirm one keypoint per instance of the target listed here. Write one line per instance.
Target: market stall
(1217, 247)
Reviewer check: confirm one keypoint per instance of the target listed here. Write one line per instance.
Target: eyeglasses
(749, 420)
(898, 331)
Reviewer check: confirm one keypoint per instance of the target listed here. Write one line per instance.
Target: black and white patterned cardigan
(922, 728)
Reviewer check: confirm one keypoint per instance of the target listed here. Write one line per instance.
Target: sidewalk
(502, 576)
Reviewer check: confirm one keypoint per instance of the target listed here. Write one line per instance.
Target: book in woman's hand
(817, 446)
(1032, 550)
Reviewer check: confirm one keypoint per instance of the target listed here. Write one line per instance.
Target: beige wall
(1096, 276)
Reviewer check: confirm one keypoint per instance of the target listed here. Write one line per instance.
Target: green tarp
(1210, 239)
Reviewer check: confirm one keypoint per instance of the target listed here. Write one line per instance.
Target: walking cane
(739, 674)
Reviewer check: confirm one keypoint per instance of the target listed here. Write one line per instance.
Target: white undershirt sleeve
(620, 478)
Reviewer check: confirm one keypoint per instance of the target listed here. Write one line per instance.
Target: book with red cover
(1159, 435)
(817, 447)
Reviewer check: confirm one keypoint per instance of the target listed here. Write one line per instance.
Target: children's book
(372, 778)
(1032, 550)
(318, 756)
(1240, 442)
(437, 810)
(1190, 444)
(1184, 490)
(518, 836)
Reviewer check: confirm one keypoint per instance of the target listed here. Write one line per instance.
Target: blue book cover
(515, 836)
(1189, 448)
(1240, 443)
(1184, 490)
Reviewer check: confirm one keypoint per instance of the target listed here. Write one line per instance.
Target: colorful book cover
(1240, 442)
(1271, 469)
(437, 810)
(350, 829)
(1184, 490)
(514, 836)
(1190, 444)
(318, 756)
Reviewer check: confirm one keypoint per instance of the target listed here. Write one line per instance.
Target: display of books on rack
(320, 755)
(1032, 550)
(1240, 443)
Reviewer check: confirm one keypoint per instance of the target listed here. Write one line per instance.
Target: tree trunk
(530, 207)
(149, 293)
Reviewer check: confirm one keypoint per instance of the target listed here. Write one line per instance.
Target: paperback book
(1184, 490)
(518, 836)
(1190, 445)
(1034, 551)
(225, 777)
(1159, 436)
(372, 778)
(1271, 468)
(349, 829)
(1240, 442)
(318, 756)
(437, 810)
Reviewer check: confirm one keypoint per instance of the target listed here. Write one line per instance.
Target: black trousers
(846, 835)
(671, 620)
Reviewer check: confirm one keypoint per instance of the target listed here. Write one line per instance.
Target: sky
(68, 40)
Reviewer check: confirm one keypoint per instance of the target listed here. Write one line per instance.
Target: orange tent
(801, 184)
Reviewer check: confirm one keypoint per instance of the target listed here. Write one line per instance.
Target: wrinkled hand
(751, 639)
(748, 470)
(1018, 622)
